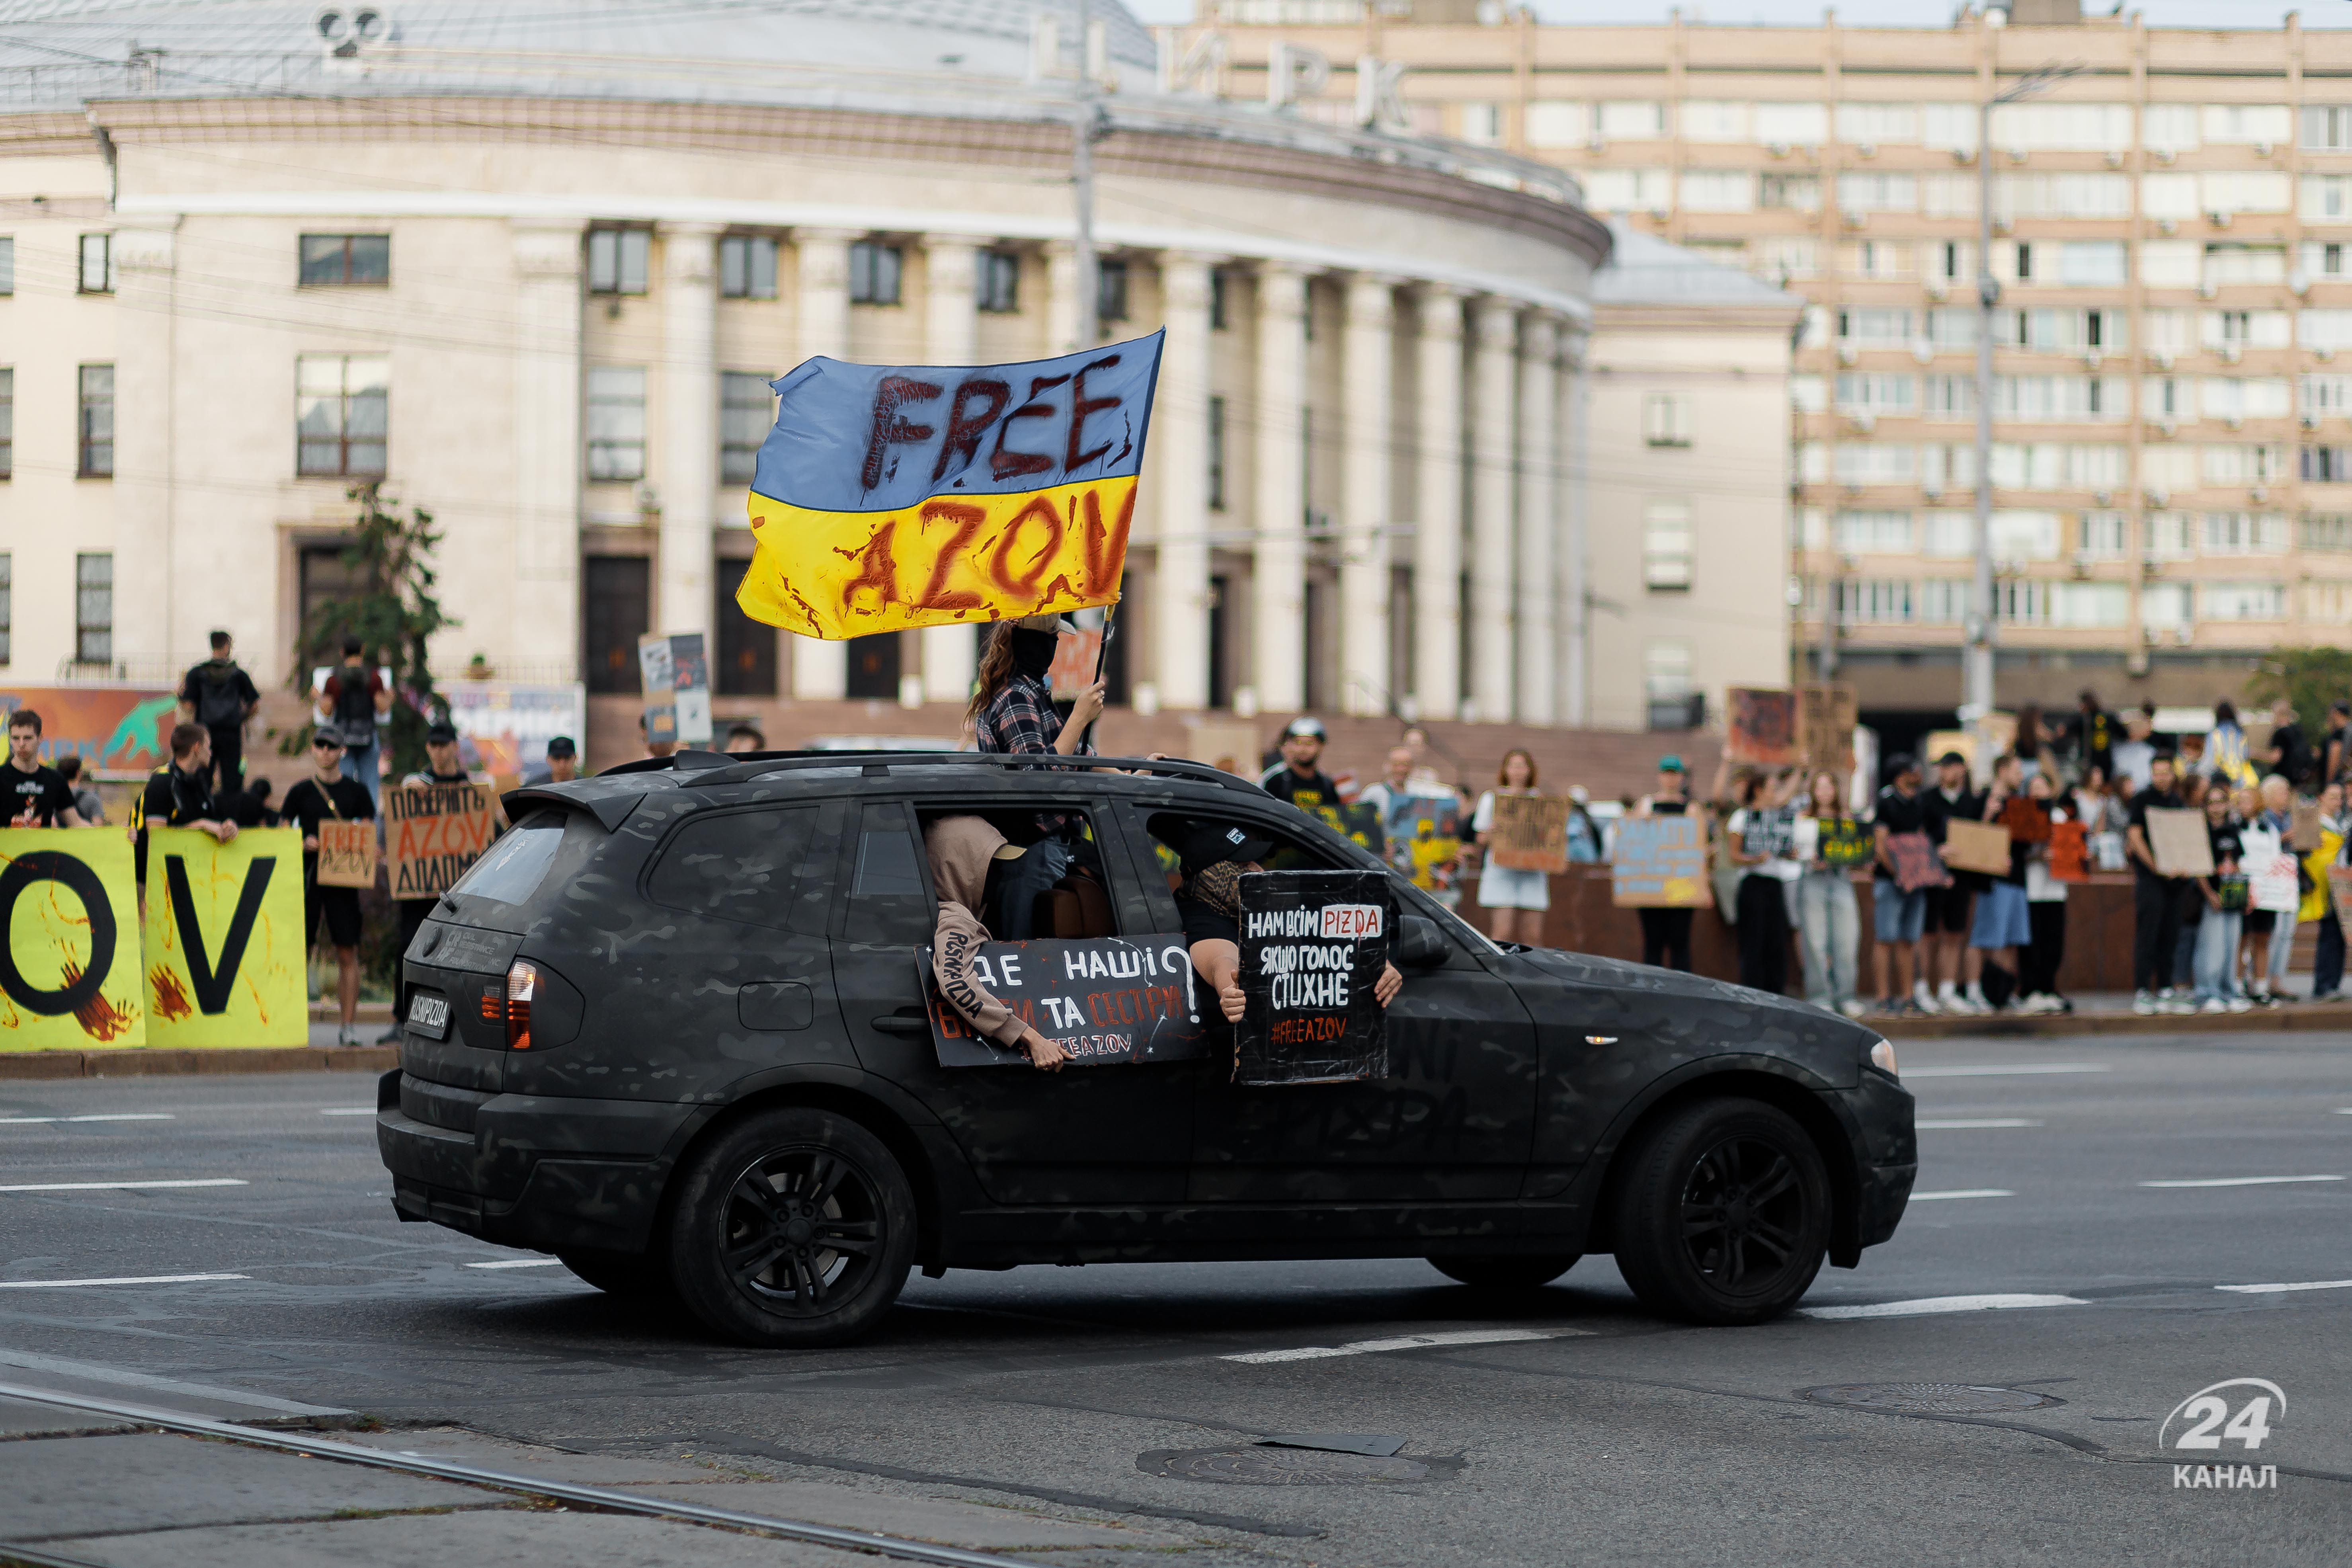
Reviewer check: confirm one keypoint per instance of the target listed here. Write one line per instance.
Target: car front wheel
(793, 1228)
(1723, 1213)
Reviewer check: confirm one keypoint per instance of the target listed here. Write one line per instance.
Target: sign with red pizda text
(1107, 1000)
(1313, 946)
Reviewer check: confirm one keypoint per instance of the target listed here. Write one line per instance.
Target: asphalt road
(1560, 1426)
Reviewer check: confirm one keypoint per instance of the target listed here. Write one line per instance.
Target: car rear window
(749, 866)
(510, 870)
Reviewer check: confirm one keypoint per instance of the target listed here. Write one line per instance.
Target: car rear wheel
(795, 1228)
(1723, 1213)
(1506, 1271)
(628, 1276)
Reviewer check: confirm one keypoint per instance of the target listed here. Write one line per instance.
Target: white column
(545, 624)
(1575, 570)
(1364, 495)
(1494, 372)
(1278, 611)
(1437, 536)
(951, 336)
(1061, 299)
(689, 426)
(1179, 610)
(145, 539)
(821, 669)
(1538, 525)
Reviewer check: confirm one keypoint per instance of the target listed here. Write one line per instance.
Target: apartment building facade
(2172, 215)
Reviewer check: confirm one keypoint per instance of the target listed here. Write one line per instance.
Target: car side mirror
(1419, 945)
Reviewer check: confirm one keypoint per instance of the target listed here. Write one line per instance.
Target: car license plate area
(428, 1015)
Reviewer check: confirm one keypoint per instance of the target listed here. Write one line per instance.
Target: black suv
(671, 1028)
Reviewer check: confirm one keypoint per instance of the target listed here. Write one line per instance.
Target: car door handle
(900, 1024)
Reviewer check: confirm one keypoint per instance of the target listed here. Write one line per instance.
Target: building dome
(55, 53)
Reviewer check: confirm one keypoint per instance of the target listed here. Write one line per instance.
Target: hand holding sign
(1314, 976)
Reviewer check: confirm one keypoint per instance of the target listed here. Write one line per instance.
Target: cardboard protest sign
(1762, 727)
(675, 676)
(1660, 862)
(1980, 846)
(2339, 893)
(1916, 864)
(1313, 946)
(2069, 853)
(433, 834)
(1826, 716)
(2303, 829)
(2178, 840)
(1530, 833)
(1104, 1000)
(70, 975)
(503, 727)
(347, 853)
(1771, 832)
(224, 949)
(2269, 867)
(895, 496)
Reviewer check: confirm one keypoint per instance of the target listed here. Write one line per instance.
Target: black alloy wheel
(1506, 1271)
(796, 1228)
(1722, 1214)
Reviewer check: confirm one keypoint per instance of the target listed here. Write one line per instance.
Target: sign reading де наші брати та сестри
(1104, 1000)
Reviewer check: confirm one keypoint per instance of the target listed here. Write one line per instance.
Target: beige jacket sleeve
(955, 945)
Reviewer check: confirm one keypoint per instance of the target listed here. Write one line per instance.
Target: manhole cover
(1931, 1398)
(1257, 1466)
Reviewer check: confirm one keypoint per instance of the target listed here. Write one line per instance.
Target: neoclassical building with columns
(532, 268)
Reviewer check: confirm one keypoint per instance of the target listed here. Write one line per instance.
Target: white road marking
(1963, 1193)
(520, 1263)
(111, 1116)
(109, 1186)
(131, 1280)
(349, 1111)
(2020, 1069)
(1930, 1306)
(2241, 1182)
(2300, 1285)
(1405, 1342)
(92, 1371)
(1955, 1126)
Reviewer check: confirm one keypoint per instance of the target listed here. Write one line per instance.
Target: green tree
(2309, 677)
(393, 611)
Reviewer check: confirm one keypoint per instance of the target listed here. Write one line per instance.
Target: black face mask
(1033, 652)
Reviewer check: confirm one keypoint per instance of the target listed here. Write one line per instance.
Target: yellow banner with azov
(218, 961)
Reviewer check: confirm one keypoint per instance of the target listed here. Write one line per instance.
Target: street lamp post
(1976, 659)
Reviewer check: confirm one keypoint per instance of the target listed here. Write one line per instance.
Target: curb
(141, 1062)
(2070, 1025)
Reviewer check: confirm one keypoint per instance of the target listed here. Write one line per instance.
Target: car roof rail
(744, 766)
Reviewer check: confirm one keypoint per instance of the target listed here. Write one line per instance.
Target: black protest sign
(1104, 1000)
(1313, 946)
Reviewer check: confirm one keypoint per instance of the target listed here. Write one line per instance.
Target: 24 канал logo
(2211, 1418)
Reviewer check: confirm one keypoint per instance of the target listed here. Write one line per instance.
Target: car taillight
(522, 979)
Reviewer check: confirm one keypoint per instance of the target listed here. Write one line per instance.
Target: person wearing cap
(1898, 919)
(1216, 856)
(330, 794)
(562, 759)
(969, 862)
(1297, 778)
(1666, 933)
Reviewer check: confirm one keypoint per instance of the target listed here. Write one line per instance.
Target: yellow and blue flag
(889, 496)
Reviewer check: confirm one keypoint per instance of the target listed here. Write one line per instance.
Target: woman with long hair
(1519, 899)
(1012, 706)
(1760, 845)
(1828, 922)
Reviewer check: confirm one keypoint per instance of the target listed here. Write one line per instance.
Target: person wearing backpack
(221, 697)
(350, 701)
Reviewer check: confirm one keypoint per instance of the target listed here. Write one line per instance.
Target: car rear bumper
(534, 1172)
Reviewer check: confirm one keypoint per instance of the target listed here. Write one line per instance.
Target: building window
(1216, 454)
(1874, 601)
(1665, 419)
(747, 649)
(2104, 534)
(1219, 288)
(1872, 533)
(617, 611)
(97, 423)
(2331, 532)
(1666, 547)
(1482, 123)
(1111, 290)
(6, 569)
(346, 258)
(2244, 533)
(2242, 601)
(1789, 193)
(747, 411)
(616, 423)
(97, 272)
(93, 609)
(998, 286)
(7, 422)
(874, 272)
(1667, 685)
(617, 262)
(343, 412)
(8, 264)
(747, 266)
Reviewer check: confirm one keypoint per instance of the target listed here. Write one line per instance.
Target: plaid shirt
(1021, 719)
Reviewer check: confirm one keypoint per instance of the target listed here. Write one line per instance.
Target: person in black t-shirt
(2095, 733)
(2291, 756)
(221, 697)
(249, 807)
(1299, 780)
(2155, 899)
(1666, 933)
(179, 794)
(36, 796)
(328, 797)
(1898, 919)
(1949, 908)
